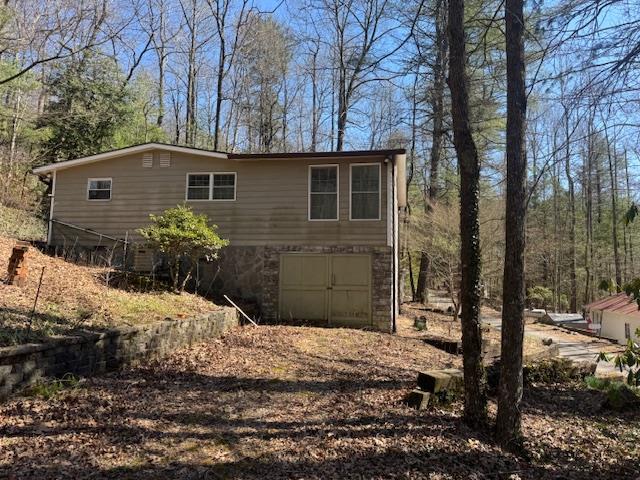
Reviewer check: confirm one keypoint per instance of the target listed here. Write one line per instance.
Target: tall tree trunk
(614, 214)
(573, 300)
(626, 172)
(508, 421)
(555, 178)
(475, 402)
(161, 62)
(407, 268)
(342, 112)
(190, 114)
(314, 101)
(437, 132)
(219, 81)
(588, 246)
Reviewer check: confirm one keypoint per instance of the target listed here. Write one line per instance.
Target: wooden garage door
(334, 288)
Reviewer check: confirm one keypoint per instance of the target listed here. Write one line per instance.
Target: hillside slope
(75, 296)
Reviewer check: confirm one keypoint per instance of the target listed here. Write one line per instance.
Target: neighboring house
(571, 320)
(615, 316)
(312, 236)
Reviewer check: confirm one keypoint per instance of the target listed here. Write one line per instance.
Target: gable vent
(147, 160)
(165, 159)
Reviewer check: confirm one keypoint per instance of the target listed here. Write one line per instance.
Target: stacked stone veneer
(90, 353)
(253, 274)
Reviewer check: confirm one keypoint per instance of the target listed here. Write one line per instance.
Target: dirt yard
(74, 296)
(443, 325)
(301, 403)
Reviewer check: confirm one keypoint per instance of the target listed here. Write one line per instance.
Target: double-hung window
(365, 191)
(224, 186)
(211, 186)
(99, 189)
(323, 192)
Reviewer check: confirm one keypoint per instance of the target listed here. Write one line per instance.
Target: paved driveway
(571, 345)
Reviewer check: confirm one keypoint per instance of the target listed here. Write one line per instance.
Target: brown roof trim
(294, 155)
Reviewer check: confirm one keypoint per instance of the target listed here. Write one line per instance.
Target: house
(313, 236)
(570, 320)
(616, 317)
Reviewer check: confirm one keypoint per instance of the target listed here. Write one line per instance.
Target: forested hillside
(77, 78)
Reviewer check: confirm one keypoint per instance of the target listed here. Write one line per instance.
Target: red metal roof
(619, 303)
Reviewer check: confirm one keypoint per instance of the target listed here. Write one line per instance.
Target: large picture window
(323, 192)
(99, 189)
(365, 191)
(211, 186)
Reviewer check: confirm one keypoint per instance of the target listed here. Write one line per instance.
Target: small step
(436, 381)
(417, 399)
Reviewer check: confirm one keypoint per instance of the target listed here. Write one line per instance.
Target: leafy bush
(619, 395)
(539, 296)
(563, 302)
(556, 370)
(607, 285)
(184, 237)
(629, 359)
(21, 224)
(50, 388)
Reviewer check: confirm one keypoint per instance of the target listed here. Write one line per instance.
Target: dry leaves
(76, 296)
(298, 402)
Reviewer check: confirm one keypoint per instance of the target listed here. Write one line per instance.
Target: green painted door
(303, 287)
(350, 290)
(334, 288)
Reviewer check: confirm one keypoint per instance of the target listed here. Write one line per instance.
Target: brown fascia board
(302, 155)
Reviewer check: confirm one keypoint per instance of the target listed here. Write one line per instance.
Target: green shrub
(553, 370)
(49, 388)
(619, 395)
(629, 359)
(21, 224)
(184, 237)
(539, 296)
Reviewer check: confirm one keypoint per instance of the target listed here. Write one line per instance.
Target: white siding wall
(613, 326)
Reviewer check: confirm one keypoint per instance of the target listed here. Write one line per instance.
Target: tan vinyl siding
(270, 206)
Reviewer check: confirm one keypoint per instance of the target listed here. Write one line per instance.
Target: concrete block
(435, 381)
(417, 399)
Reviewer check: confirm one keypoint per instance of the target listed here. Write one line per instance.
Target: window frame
(337, 193)
(351, 165)
(210, 197)
(235, 187)
(99, 179)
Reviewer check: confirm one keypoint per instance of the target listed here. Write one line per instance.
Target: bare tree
(508, 420)
(222, 10)
(41, 32)
(475, 403)
(437, 132)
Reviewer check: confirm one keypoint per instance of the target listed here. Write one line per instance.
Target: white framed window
(224, 186)
(323, 192)
(365, 191)
(211, 186)
(99, 189)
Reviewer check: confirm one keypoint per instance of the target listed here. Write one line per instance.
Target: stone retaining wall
(89, 353)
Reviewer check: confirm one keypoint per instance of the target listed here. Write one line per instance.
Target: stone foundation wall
(91, 353)
(253, 273)
(238, 273)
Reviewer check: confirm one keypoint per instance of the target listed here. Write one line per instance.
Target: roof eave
(45, 169)
(315, 155)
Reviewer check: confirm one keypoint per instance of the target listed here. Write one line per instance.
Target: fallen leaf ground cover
(76, 296)
(444, 325)
(303, 403)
